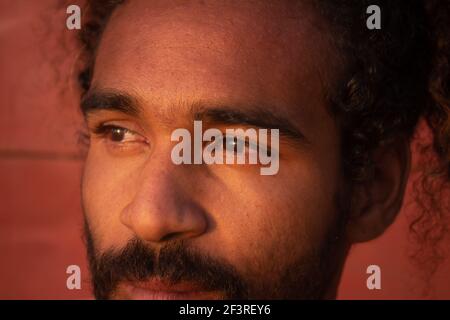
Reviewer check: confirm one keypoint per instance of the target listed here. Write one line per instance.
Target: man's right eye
(118, 136)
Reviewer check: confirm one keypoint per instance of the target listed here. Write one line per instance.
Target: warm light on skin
(171, 58)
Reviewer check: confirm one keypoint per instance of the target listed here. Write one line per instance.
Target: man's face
(157, 228)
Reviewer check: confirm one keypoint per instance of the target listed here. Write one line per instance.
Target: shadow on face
(231, 64)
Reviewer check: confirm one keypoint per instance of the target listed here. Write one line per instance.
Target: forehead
(231, 51)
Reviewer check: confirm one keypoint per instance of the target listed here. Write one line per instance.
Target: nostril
(171, 236)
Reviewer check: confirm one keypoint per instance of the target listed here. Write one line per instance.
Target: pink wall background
(40, 215)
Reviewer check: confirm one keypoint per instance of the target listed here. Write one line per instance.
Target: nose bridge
(162, 207)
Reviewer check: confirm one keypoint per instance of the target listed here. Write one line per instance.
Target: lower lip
(137, 293)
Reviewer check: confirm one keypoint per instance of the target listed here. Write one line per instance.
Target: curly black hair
(393, 77)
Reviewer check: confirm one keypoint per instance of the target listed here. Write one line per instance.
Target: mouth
(156, 289)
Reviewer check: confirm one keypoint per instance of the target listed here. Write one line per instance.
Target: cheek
(267, 222)
(104, 194)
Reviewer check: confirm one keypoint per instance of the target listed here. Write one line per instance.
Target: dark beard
(308, 278)
(173, 262)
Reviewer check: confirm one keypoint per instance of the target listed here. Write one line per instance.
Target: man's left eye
(238, 145)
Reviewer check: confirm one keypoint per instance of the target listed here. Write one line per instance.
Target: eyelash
(247, 145)
(105, 131)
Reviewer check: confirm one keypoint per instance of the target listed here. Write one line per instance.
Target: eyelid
(123, 124)
(104, 128)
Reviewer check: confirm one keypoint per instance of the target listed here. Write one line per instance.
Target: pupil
(117, 134)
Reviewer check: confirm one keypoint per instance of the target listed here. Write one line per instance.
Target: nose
(162, 210)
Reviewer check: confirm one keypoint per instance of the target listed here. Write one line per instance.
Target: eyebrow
(255, 116)
(110, 100)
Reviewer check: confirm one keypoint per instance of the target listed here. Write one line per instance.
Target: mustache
(173, 262)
